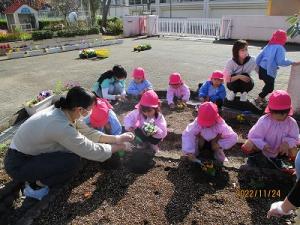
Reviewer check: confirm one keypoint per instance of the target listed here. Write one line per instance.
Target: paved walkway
(22, 79)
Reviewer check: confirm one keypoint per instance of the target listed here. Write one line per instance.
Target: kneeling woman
(47, 148)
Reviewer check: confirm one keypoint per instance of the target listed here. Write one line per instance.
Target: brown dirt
(143, 189)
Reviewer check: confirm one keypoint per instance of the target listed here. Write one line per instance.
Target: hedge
(49, 24)
(15, 37)
(73, 33)
(40, 35)
(3, 24)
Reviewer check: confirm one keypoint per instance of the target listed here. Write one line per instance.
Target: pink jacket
(183, 92)
(189, 136)
(273, 132)
(136, 119)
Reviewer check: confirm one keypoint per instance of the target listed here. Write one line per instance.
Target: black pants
(268, 80)
(138, 132)
(239, 85)
(52, 169)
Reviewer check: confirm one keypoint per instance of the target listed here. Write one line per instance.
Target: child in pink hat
(268, 61)
(213, 90)
(177, 90)
(208, 127)
(103, 118)
(146, 114)
(139, 84)
(275, 133)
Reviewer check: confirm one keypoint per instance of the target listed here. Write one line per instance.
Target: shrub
(66, 33)
(49, 24)
(15, 37)
(40, 35)
(3, 24)
(114, 28)
(93, 30)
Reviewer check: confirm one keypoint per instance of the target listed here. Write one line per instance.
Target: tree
(105, 9)
(64, 7)
(94, 6)
(4, 4)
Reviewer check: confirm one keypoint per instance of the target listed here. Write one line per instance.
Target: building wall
(284, 7)
(257, 27)
(192, 9)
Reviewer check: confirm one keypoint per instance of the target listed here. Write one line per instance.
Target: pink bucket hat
(175, 78)
(100, 111)
(138, 73)
(208, 114)
(279, 37)
(149, 99)
(280, 100)
(217, 75)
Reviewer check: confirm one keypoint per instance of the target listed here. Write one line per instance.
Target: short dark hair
(237, 46)
(282, 112)
(76, 97)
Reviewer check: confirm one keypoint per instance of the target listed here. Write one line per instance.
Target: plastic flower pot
(39, 106)
(15, 55)
(53, 50)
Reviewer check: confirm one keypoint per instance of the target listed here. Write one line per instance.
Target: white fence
(204, 27)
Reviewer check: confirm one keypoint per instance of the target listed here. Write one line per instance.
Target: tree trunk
(105, 8)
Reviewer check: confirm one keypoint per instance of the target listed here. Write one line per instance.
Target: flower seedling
(180, 105)
(149, 128)
(42, 95)
(207, 167)
(142, 47)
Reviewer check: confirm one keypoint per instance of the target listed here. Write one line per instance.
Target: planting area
(143, 188)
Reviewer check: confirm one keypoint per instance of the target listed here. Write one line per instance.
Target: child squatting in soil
(213, 90)
(275, 133)
(237, 71)
(210, 127)
(139, 84)
(177, 90)
(269, 60)
(111, 84)
(147, 115)
(103, 118)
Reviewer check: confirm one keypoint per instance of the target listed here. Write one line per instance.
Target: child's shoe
(220, 156)
(36, 194)
(230, 96)
(244, 97)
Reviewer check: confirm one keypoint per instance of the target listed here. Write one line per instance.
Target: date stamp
(258, 193)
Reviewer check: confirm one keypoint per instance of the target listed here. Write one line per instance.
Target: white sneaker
(244, 97)
(230, 96)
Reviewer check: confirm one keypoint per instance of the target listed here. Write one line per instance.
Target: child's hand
(190, 156)
(118, 97)
(267, 148)
(126, 137)
(127, 147)
(296, 63)
(172, 106)
(284, 149)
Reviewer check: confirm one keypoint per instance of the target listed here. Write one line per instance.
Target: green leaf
(290, 30)
(292, 20)
(294, 33)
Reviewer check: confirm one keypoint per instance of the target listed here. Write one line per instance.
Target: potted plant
(42, 101)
